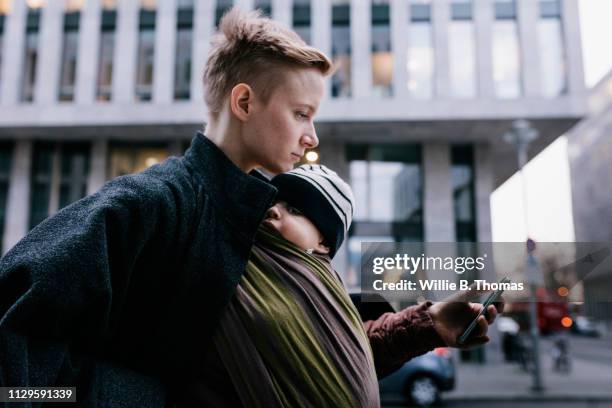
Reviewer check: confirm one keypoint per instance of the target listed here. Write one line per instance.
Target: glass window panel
(5, 7)
(222, 7)
(387, 184)
(109, 5)
(182, 60)
(506, 59)
(182, 73)
(41, 182)
(550, 9)
(105, 63)
(69, 58)
(74, 5)
(420, 62)
(341, 51)
(462, 181)
(552, 57)
(1, 43)
(461, 10)
(301, 19)
(74, 173)
(462, 50)
(265, 6)
(505, 9)
(382, 57)
(31, 56)
(134, 159)
(144, 72)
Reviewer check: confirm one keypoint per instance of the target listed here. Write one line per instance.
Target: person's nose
(310, 139)
(273, 213)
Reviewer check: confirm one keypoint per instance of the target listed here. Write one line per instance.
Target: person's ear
(241, 100)
(322, 249)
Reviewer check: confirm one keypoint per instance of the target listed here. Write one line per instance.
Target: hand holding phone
(493, 297)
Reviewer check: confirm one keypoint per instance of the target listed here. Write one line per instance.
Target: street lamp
(521, 134)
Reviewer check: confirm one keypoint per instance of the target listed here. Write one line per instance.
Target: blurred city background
(425, 117)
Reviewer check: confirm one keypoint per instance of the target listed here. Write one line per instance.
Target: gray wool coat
(119, 293)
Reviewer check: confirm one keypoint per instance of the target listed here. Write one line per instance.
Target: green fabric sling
(291, 336)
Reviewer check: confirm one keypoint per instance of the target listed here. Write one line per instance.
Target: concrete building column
(50, 45)
(361, 66)
(98, 166)
(12, 50)
(321, 32)
(203, 26)
(483, 22)
(282, 11)
(573, 46)
(400, 19)
(333, 155)
(527, 14)
(124, 57)
(440, 13)
(88, 53)
(18, 200)
(439, 219)
(165, 52)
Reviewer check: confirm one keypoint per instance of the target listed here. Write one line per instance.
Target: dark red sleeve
(398, 337)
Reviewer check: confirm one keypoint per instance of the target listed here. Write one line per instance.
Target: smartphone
(493, 297)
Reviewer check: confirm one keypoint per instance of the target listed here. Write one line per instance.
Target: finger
(491, 314)
(481, 327)
(477, 341)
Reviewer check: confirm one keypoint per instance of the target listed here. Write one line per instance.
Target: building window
(6, 151)
(420, 53)
(506, 51)
(146, 51)
(59, 177)
(184, 44)
(462, 50)
(462, 179)
(301, 19)
(4, 9)
(107, 48)
(382, 57)
(31, 54)
(387, 183)
(130, 159)
(69, 51)
(341, 49)
(222, 7)
(551, 49)
(265, 6)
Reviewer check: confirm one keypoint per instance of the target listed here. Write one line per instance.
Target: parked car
(584, 326)
(421, 380)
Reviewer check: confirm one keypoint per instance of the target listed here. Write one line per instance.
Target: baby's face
(295, 227)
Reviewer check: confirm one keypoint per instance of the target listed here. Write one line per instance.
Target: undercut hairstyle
(254, 50)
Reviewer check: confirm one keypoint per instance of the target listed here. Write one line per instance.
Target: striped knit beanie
(322, 196)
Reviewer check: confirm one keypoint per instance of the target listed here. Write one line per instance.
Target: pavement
(590, 379)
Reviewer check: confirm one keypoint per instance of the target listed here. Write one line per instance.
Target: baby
(291, 336)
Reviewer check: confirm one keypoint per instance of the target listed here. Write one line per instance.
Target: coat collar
(242, 197)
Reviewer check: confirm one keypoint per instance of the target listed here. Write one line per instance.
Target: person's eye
(293, 211)
(302, 115)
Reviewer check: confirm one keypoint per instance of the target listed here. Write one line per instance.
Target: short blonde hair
(249, 49)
